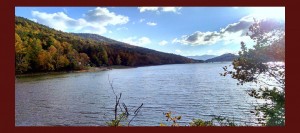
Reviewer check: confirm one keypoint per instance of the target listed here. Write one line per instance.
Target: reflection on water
(85, 99)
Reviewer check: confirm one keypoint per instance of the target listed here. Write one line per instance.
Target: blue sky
(186, 31)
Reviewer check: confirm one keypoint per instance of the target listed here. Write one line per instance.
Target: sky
(186, 31)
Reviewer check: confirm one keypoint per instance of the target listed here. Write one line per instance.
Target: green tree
(22, 58)
(119, 61)
(83, 60)
(33, 49)
(45, 61)
(264, 64)
(71, 56)
(62, 62)
(105, 57)
(60, 59)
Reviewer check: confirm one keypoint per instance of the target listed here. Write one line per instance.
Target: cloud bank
(232, 33)
(94, 21)
(227, 34)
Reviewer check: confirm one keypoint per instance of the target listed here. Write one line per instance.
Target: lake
(86, 99)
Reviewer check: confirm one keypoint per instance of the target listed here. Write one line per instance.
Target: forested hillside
(39, 48)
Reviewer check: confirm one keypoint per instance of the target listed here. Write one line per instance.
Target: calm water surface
(86, 99)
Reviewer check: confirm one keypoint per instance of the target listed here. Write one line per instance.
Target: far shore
(89, 69)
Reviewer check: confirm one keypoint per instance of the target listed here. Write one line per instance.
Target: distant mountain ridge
(97, 37)
(202, 57)
(223, 58)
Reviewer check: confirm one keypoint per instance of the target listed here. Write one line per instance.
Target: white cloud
(160, 9)
(143, 9)
(34, 20)
(59, 20)
(171, 9)
(199, 38)
(178, 51)
(137, 41)
(151, 23)
(94, 21)
(162, 43)
(104, 17)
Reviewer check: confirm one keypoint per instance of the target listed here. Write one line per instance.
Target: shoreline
(89, 69)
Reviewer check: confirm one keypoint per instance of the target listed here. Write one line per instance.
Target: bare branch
(135, 113)
(126, 110)
(111, 85)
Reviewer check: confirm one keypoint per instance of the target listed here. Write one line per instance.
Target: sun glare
(269, 12)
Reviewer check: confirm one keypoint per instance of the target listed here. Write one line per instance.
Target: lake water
(86, 99)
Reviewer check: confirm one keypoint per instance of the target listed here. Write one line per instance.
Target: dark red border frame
(7, 75)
